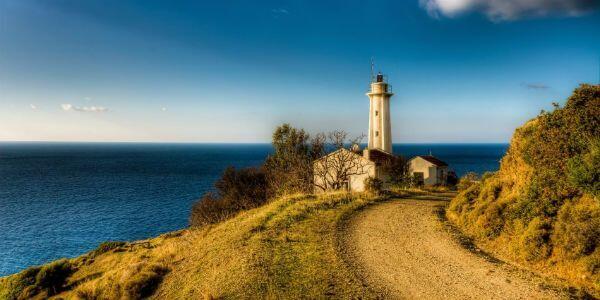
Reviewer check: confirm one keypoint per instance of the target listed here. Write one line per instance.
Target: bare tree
(332, 171)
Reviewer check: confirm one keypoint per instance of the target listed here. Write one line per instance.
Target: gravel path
(401, 249)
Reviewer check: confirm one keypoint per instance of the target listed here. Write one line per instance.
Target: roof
(379, 156)
(336, 151)
(376, 156)
(432, 159)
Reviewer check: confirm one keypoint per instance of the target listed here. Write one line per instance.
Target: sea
(64, 199)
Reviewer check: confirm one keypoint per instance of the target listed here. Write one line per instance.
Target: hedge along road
(401, 249)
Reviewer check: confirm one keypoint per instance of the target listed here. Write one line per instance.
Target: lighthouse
(380, 127)
(355, 169)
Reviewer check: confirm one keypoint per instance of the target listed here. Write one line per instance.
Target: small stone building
(428, 170)
(352, 167)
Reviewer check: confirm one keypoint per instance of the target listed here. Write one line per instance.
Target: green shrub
(452, 179)
(289, 168)
(467, 180)
(415, 181)
(18, 286)
(592, 263)
(143, 283)
(373, 185)
(209, 210)
(577, 229)
(236, 190)
(535, 240)
(487, 175)
(46, 280)
(584, 170)
(491, 221)
(396, 169)
(244, 188)
(52, 277)
(463, 202)
(106, 247)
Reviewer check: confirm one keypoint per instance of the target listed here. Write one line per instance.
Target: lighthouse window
(376, 112)
(376, 133)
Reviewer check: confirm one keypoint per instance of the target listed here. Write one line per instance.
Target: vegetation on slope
(542, 207)
(285, 249)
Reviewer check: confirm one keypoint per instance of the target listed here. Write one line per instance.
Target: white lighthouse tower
(380, 127)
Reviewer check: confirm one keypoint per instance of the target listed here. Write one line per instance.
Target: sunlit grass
(285, 249)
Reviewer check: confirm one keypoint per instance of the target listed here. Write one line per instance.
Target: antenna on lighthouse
(372, 69)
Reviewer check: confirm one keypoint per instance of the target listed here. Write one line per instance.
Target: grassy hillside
(285, 249)
(542, 207)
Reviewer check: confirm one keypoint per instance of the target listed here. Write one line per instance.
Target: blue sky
(230, 71)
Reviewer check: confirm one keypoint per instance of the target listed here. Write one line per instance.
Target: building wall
(432, 174)
(355, 182)
(442, 175)
(386, 124)
(375, 140)
(380, 129)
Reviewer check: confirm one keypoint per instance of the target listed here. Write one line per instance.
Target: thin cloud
(96, 109)
(280, 11)
(32, 106)
(163, 108)
(508, 10)
(536, 86)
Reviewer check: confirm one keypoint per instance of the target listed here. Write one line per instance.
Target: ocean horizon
(62, 199)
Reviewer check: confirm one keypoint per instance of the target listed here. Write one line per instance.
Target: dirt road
(402, 250)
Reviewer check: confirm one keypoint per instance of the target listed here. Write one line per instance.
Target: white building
(346, 169)
(428, 170)
(380, 127)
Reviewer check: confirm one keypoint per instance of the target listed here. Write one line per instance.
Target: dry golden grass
(285, 249)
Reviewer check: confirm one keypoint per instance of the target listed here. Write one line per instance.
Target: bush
(138, 281)
(584, 170)
(244, 188)
(397, 171)
(491, 222)
(416, 181)
(20, 286)
(534, 242)
(106, 247)
(373, 185)
(462, 203)
(209, 210)
(487, 175)
(289, 168)
(452, 179)
(467, 181)
(143, 283)
(577, 229)
(53, 276)
(236, 190)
